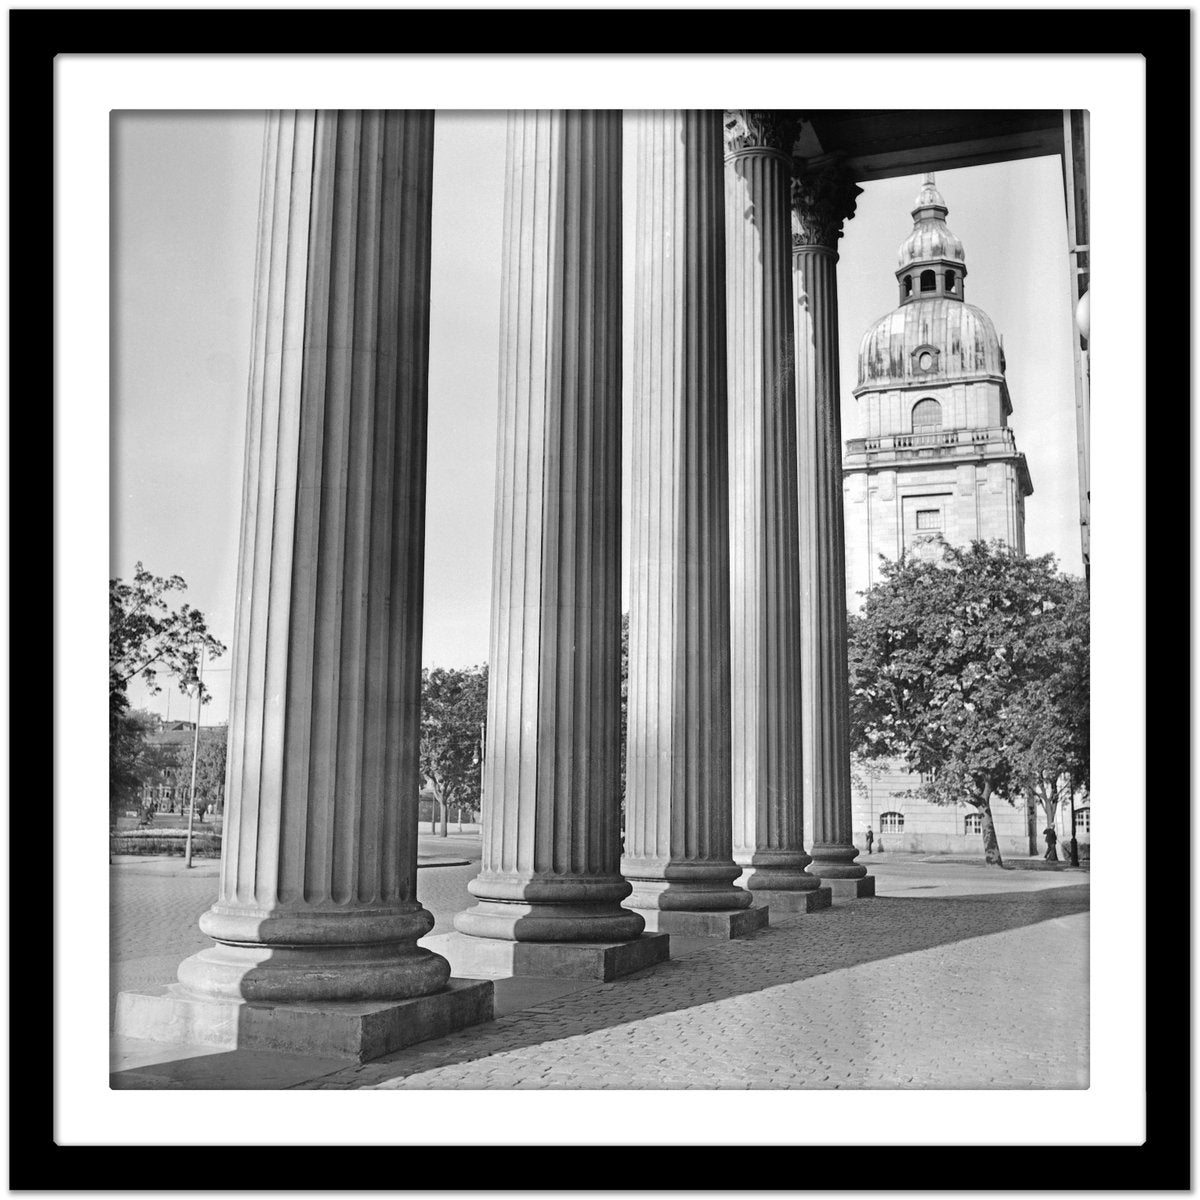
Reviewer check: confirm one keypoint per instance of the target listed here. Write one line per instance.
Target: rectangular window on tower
(929, 519)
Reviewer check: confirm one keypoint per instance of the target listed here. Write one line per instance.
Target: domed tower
(938, 458)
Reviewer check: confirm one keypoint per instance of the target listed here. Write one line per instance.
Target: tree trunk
(991, 846)
(446, 817)
(1050, 807)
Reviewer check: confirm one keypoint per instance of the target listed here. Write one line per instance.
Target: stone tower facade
(938, 461)
(938, 458)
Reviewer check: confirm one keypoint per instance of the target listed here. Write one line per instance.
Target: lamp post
(195, 755)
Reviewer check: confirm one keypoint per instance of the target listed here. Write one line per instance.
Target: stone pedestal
(710, 924)
(493, 958)
(360, 1030)
(791, 903)
(822, 199)
(678, 825)
(768, 810)
(317, 901)
(551, 822)
(852, 889)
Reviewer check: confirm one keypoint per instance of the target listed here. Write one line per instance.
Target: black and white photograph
(617, 655)
(600, 603)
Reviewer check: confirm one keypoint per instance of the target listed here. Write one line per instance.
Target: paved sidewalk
(954, 977)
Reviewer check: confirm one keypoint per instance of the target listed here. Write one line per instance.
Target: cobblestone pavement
(954, 977)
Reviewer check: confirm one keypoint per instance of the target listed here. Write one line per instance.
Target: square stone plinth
(852, 889)
(813, 900)
(359, 1030)
(711, 924)
(496, 958)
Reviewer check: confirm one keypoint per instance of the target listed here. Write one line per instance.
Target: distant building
(938, 461)
(161, 796)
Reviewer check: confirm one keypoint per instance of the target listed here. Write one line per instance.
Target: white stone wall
(941, 829)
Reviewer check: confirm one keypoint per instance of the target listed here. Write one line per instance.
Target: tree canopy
(951, 663)
(147, 638)
(453, 717)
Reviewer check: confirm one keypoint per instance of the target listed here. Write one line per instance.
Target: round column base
(687, 896)
(673, 886)
(775, 870)
(513, 921)
(835, 862)
(295, 974)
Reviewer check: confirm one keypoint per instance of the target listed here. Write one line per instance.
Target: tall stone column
(678, 825)
(768, 807)
(551, 821)
(822, 200)
(319, 860)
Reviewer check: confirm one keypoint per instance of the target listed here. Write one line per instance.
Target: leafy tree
(453, 716)
(126, 757)
(1052, 717)
(147, 638)
(944, 657)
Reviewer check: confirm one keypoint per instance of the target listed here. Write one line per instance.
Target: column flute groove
(318, 877)
(768, 809)
(551, 822)
(823, 198)
(678, 852)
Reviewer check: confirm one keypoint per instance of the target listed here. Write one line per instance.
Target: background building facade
(938, 463)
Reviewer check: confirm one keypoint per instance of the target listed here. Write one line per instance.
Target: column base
(852, 889)
(721, 923)
(495, 958)
(359, 1030)
(813, 900)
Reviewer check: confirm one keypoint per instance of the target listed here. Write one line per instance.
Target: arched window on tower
(926, 416)
(928, 281)
(951, 279)
(908, 285)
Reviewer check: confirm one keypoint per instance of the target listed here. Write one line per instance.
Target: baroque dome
(961, 340)
(931, 240)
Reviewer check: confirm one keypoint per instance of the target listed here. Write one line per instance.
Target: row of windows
(928, 282)
(893, 822)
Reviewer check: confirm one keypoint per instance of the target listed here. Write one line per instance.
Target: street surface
(955, 976)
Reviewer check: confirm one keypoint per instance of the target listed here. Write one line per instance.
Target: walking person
(1051, 841)
(870, 840)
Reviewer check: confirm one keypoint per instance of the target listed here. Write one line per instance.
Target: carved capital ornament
(760, 129)
(822, 201)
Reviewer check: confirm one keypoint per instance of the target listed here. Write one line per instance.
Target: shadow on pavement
(796, 949)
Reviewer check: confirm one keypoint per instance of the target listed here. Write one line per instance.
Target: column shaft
(551, 850)
(768, 810)
(678, 829)
(820, 204)
(318, 870)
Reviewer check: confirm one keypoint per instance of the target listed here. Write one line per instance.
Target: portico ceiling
(882, 143)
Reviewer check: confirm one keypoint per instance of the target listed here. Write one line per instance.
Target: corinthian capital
(823, 199)
(760, 129)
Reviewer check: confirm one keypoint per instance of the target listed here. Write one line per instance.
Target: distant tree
(1052, 715)
(127, 765)
(148, 638)
(453, 716)
(944, 657)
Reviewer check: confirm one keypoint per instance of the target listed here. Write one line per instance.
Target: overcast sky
(185, 199)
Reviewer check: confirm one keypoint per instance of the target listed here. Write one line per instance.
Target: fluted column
(678, 828)
(551, 822)
(318, 867)
(822, 200)
(768, 809)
